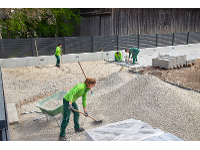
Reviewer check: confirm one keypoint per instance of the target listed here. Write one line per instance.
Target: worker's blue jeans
(58, 60)
(66, 116)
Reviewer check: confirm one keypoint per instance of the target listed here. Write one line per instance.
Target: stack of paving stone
(189, 62)
(169, 62)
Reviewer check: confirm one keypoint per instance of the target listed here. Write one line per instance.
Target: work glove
(86, 114)
(71, 107)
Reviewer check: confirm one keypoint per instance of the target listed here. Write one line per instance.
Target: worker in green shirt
(69, 100)
(134, 52)
(118, 56)
(57, 54)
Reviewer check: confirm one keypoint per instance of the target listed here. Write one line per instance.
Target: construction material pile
(150, 100)
(170, 62)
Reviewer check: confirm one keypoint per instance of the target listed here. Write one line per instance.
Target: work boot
(79, 130)
(62, 138)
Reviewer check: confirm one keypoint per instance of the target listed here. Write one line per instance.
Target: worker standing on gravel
(118, 56)
(134, 52)
(57, 54)
(69, 100)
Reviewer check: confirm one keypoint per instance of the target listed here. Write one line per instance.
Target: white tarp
(127, 130)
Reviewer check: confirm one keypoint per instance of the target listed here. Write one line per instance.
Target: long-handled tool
(84, 75)
(95, 121)
(37, 51)
(61, 58)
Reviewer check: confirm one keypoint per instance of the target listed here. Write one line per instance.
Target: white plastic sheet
(127, 130)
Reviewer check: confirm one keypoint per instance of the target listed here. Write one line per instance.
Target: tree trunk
(0, 35)
(9, 34)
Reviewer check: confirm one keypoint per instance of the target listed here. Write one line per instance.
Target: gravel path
(117, 96)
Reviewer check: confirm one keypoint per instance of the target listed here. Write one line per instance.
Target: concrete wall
(72, 58)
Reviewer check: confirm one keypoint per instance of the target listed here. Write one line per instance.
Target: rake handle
(83, 72)
(81, 69)
(83, 113)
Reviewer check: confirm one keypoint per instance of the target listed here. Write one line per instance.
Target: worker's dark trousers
(58, 60)
(135, 58)
(66, 115)
(117, 59)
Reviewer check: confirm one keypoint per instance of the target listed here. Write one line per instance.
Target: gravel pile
(22, 85)
(118, 96)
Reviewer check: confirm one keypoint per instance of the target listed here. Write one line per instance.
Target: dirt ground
(187, 77)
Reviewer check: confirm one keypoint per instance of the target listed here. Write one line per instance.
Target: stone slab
(12, 114)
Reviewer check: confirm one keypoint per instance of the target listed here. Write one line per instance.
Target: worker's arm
(116, 56)
(84, 108)
(71, 93)
(70, 105)
(84, 103)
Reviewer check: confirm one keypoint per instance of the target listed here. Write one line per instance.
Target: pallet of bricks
(171, 62)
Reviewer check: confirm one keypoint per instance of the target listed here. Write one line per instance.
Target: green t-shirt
(77, 91)
(118, 57)
(58, 51)
(133, 51)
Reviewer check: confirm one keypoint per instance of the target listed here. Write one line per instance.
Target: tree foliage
(39, 22)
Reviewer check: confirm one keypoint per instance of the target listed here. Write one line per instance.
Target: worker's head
(90, 82)
(60, 44)
(127, 50)
(117, 53)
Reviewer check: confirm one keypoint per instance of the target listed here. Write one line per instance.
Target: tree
(39, 22)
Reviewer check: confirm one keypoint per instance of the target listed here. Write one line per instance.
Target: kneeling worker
(118, 56)
(134, 52)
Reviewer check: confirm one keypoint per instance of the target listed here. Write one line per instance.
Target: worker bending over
(118, 56)
(134, 52)
(69, 100)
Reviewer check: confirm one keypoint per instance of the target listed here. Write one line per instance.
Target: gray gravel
(118, 96)
(159, 104)
(30, 83)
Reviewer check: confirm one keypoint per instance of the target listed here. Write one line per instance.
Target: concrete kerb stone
(97, 56)
(12, 113)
